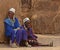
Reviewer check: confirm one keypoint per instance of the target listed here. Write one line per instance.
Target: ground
(40, 48)
(44, 40)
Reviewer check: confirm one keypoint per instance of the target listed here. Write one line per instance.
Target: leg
(24, 33)
(25, 38)
(32, 38)
(18, 36)
(12, 38)
(31, 34)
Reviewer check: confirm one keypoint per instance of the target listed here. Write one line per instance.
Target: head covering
(12, 10)
(25, 20)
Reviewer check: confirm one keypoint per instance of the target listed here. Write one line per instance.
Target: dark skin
(10, 14)
(28, 24)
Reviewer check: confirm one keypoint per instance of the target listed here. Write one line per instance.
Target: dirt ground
(33, 48)
(44, 40)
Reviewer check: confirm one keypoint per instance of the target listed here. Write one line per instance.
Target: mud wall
(44, 14)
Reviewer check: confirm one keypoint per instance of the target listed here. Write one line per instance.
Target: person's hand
(17, 29)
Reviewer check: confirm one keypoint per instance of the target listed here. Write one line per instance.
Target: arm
(8, 29)
(17, 25)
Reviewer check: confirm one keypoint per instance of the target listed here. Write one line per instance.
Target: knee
(21, 31)
(18, 30)
(24, 31)
(30, 28)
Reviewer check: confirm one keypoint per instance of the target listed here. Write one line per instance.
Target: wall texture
(44, 14)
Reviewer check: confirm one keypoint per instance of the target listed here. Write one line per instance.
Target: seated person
(32, 39)
(13, 30)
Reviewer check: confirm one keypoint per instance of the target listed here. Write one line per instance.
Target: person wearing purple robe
(32, 38)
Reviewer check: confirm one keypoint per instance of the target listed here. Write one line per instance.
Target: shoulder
(6, 20)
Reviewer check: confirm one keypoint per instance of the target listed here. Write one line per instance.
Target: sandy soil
(45, 40)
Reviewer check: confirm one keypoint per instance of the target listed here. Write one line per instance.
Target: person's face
(10, 14)
(28, 24)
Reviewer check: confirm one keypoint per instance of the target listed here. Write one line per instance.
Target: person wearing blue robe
(13, 29)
